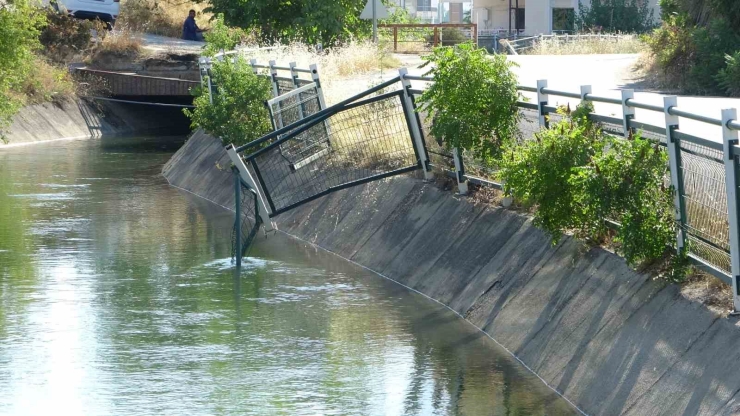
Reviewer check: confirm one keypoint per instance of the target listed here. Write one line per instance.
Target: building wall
(538, 14)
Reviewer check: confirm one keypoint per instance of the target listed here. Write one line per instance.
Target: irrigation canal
(118, 296)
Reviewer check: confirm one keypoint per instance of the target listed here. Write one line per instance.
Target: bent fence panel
(368, 140)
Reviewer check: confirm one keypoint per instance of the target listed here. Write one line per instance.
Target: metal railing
(515, 46)
(703, 171)
(282, 78)
(422, 37)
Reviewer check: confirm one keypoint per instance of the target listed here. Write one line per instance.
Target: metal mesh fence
(284, 86)
(366, 139)
(289, 109)
(705, 200)
(247, 224)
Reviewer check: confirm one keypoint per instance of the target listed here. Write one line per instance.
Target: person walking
(190, 30)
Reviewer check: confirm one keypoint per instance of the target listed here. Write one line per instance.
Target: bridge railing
(704, 159)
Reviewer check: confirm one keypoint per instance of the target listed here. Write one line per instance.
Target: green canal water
(118, 297)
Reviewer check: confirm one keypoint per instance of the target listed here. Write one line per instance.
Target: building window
(563, 20)
(424, 5)
(520, 19)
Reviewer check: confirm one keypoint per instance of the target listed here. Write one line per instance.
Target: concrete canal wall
(78, 119)
(609, 339)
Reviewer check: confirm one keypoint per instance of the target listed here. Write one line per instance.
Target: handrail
(691, 116)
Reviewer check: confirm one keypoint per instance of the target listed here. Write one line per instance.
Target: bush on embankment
(577, 177)
(697, 48)
(573, 175)
(26, 77)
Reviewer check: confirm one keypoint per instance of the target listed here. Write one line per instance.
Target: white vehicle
(105, 10)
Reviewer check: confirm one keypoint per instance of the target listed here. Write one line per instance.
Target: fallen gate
(371, 136)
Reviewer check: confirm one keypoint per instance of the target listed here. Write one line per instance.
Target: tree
(631, 16)
(310, 21)
(473, 100)
(20, 26)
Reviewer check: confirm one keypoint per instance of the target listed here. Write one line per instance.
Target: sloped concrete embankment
(611, 340)
(79, 119)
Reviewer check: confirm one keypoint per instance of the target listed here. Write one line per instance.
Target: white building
(437, 11)
(530, 17)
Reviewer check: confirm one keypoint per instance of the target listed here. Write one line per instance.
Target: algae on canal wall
(611, 340)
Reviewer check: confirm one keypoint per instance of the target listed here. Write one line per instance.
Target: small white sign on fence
(380, 11)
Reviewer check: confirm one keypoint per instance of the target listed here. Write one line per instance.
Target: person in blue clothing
(190, 30)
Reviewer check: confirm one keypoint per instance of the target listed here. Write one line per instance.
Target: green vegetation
(577, 177)
(222, 37)
(20, 26)
(628, 16)
(472, 101)
(309, 21)
(698, 45)
(238, 114)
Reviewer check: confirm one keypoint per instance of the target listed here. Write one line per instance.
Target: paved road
(607, 74)
(163, 44)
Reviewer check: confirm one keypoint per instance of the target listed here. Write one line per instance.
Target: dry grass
(710, 291)
(46, 83)
(159, 18)
(116, 46)
(587, 46)
(344, 70)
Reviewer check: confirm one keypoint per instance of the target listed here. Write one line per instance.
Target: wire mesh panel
(705, 198)
(369, 139)
(290, 108)
(247, 224)
(285, 85)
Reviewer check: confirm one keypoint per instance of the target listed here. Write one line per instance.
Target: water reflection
(118, 298)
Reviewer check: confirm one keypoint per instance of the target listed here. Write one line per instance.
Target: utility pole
(375, 23)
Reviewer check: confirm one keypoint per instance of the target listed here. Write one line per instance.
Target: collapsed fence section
(703, 172)
(371, 136)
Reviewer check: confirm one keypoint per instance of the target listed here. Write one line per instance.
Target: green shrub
(625, 183)
(729, 77)
(692, 46)
(630, 16)
(541, 173)
(20, 25)
(238, 114)
(472, 101)
(222, 37)
(577, 177)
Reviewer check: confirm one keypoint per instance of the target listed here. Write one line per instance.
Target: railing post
(238, 221)
(253, 63)
(628, 113)
(730, 139)
(296, 84)
(475, 34)
(395, 38)
(462, 184)
(273, 77)
(674, 159)
(264, 210)
(585, 90)
(408, 108)
(319, 89)
(542, 100)
(436, 36)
